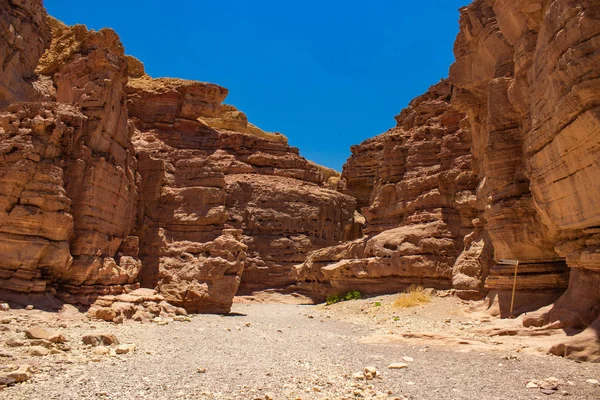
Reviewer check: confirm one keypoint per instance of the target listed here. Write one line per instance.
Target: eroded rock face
(204, 168)
(24, 36)
(69, 173)
(417, 185)
(35, 211)
(527, 76)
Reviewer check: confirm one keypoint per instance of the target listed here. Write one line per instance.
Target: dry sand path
(284, 351)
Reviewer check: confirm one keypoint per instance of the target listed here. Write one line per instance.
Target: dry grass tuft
(413, 296)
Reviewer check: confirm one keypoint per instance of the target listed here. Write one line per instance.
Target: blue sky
(328, 74)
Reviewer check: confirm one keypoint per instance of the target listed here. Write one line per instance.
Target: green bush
(353, 295)
(377, 304)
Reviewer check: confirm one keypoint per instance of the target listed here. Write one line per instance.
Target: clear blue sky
(327, 74)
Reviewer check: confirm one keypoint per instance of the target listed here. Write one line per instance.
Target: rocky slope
(117, 175)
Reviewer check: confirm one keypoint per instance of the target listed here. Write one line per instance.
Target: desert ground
(267, 350)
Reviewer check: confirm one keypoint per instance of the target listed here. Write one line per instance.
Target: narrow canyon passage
(284, 351)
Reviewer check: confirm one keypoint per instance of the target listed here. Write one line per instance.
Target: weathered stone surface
(527, 78)
(202, 173)
(203, 277)
(70, 184)
(24, 36)
(417, 188)
(35, 210)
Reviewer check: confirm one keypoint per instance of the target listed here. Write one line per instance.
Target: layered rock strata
(527, 77)
(203, 191)
(417, 187)
(69, 180)
(205, 168)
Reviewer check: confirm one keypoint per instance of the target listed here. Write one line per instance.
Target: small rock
(98, 339)
(29, 307)
(4, 307)
(269, 396)
(532, 385)
(359, 376)
(125, 348)
(182, 318)
(408, 359)
(41, 342)
(398, 366)
(22, 374)
(96, 358)
(39, 333)
(370, 373)
(594, 382)
(38, 351)
(201, 370)
(14, 343)
(101, 351)
(549, 384)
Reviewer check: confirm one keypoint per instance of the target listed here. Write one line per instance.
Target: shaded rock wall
(527, 77)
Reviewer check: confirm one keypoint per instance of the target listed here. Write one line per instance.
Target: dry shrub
(413, 296)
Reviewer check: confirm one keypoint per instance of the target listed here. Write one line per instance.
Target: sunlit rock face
(203, 171)
(25, 35)
(69, 181)
(117, 178)
(416, 185)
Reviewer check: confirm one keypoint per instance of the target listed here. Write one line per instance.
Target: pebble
(398, 366)
(125, 348)
(101, 350)
(38, 351)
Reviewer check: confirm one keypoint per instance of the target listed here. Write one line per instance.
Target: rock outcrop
(69, 180)
(417, 187)
(205, 168)
(527, 77)
(113, 161)
(524, 95)
(24, 36)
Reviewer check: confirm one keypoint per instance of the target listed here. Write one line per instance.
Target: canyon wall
(527, 77)
(416, 186)
(109, 178)
(513, 176)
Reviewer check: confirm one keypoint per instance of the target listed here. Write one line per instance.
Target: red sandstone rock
(202, 171)
(24, 36)
(417, 189)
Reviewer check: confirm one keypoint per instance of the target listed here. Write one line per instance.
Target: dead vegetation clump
(413, 296)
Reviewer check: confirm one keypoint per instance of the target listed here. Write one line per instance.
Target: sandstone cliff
(514, 175)
(68, 172)
(204, 167)
(118, 174)
(417, 187)
(527, 77)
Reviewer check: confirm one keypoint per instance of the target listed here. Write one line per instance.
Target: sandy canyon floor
(292, 351)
